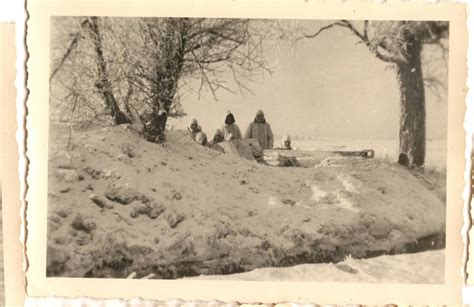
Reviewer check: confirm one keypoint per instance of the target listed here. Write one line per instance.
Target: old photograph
(247, 149)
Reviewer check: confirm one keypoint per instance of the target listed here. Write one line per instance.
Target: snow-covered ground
(383, 269)
(118, 204)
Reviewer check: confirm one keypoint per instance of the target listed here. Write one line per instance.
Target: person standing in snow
(231, 130)
(260, 130)
(194, 128)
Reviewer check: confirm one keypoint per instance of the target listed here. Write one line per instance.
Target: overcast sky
(329, 86)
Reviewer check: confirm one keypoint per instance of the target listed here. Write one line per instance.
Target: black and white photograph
(247, 149)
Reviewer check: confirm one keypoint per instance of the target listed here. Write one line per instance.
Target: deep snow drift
(118, 204)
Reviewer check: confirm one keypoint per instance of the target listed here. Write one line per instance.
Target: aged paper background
(38, 66)
(12, 251)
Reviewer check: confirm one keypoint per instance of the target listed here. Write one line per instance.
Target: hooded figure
(287, 161)
(214, 143)
(201, 138)
(218, 137)
(194, 128)
(286, 142)
(231, 130)
(260, 130)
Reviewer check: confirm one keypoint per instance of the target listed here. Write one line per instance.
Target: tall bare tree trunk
(166, 84)
(103, 84)
(165, 91)
(412, 112)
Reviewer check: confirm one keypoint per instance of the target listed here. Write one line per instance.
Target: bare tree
(84, 70)
(103, 83)
(179, 49)
(143, 65)
(401, 43)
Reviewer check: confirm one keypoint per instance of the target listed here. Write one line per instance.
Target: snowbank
(119, 204)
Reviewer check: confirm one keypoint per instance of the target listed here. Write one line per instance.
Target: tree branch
(434, 32)
(71, 47)
(319, 31)
(363, 36)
